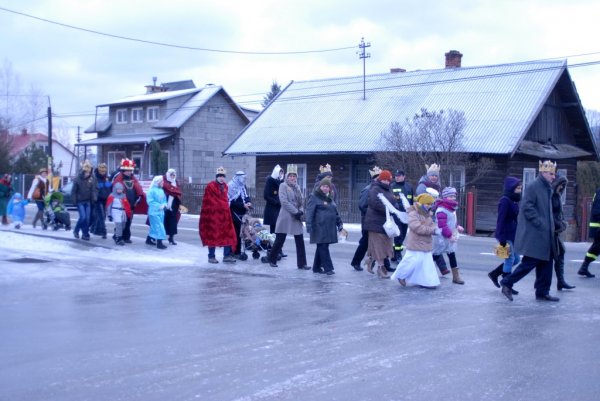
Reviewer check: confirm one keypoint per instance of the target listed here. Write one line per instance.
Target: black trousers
(399, 240)
(543, 274)
(278, 244)
(595, 247)
(322, 258)
(127, 230)
(361, 250)
(237, 224)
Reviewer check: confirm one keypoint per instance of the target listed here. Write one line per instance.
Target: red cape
(215, 225)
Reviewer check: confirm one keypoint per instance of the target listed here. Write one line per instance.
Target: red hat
(127, 164)
(385, 175)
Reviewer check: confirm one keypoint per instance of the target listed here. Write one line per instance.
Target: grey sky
(79, 70)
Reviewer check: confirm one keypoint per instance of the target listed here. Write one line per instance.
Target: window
(137, 158)
(562, 172)
(302, 178)
(114, 160)
(121, 116)
(137, 115)
(152, 114)
(528, 176)
(456, 178)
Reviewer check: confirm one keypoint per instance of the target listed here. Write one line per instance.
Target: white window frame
(302, 178)
(121, 116)
(152, 113)
(137, 115)
(529, 174)
(114, 160)
(454, 181)
(562, 172)
(139, 154)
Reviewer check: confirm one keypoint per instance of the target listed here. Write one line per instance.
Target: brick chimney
(397, 69)
(453, 59)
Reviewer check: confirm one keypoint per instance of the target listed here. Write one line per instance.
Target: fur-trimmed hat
(434, 169)
(448, 191)
(221, 172)
(385, 175)
(424, 199)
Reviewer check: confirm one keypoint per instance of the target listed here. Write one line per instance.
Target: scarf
(237, 188)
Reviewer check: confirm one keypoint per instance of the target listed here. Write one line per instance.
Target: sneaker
(229, 259)
(213, 260)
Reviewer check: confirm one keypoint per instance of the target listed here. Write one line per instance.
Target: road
(251, 332)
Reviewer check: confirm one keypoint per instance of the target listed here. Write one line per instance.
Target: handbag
(503, 252)
(390, 226)
(37, 194)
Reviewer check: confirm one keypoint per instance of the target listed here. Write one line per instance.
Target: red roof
(21, 141)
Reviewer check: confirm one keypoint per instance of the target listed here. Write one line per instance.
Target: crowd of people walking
(413, 229)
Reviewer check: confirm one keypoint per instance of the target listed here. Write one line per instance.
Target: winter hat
(17, 195)
(510, 183)
(434, 170)
(424, 199)
(117, 186)
(325, 181)
(448, 191)
(385, 175)
(560, 180)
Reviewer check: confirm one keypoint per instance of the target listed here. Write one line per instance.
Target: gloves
(110, 218)
(299, 215)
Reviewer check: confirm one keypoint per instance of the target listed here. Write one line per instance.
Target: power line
(150, 42)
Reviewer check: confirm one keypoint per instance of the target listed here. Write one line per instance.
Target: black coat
(84, 189)
(273, 205)
(376, 214)
(322, 219)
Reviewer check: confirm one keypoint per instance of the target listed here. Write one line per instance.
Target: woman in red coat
(215, 225)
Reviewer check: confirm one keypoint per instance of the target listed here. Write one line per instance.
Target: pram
(255, 237)
(55, 213)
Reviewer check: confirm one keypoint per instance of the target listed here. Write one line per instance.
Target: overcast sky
(79, 70)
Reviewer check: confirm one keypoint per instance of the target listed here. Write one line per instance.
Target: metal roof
(150, 97)
(125, 139)
(500, 102)
(102, 124)
(182, 114)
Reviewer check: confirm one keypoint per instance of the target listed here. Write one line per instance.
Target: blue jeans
(211, 251)
(83, 224)
(512, 260)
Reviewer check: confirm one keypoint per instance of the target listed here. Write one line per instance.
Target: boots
(171, 240)
(370, 264)
(513, 291)
(382, 272)
(160, 245)
(456, 279)
(559, 268)
(583, 270)
(4, 220)
(150, 241)
(441, 264)
(495, 274)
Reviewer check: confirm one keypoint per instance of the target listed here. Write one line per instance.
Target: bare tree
(19, 108)
(431, 137)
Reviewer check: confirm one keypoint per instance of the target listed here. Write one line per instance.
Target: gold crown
(547, 166)
(221, 170)
(325, 169)
(434, 168)
(292, 169)
(375, 171)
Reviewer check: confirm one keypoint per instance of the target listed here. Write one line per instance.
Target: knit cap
(385, 175)
(424, 199)
(448, 191)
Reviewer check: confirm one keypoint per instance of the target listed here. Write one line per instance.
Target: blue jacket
(508, 211)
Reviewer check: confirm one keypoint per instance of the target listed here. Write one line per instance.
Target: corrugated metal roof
(102, 124)
(182, 114)
(150, 97)
(500, 102)
(125, 139)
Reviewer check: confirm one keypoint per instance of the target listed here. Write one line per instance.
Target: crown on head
(325, 169)
(221, 170)
(547, 166)
(292, 169)
(127, 164)
(375, 171)
(434, 168)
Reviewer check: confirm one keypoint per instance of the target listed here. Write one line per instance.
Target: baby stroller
(54, 211)
(255, 237)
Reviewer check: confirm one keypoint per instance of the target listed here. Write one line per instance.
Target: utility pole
(364, 56)
(49, 141)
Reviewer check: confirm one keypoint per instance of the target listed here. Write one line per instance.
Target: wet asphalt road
(248, 332)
